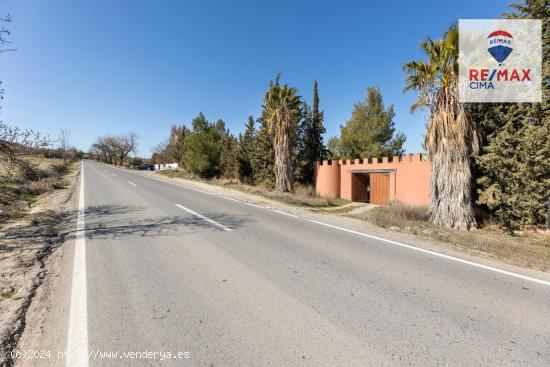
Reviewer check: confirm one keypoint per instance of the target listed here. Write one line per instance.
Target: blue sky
(100, 67)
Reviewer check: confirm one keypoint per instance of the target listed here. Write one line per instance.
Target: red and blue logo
(500, 45)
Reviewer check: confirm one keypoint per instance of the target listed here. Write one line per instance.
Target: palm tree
(450, 138)
(282, 110)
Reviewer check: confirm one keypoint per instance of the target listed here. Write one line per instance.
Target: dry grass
(396, 214)
(303, 196)
(527, 249)
(20, 190)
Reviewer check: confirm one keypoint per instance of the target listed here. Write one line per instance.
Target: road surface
(156, 268)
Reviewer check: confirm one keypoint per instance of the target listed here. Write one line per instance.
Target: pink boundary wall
(409, 177)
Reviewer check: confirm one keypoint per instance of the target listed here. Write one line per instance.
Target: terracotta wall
(409, 177)
(327, 179)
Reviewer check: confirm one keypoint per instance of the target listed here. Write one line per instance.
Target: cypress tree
(311, 147)
(247, 142)
(229, 164)
(263, 156)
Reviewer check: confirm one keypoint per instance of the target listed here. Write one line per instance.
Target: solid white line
(203, 191)
(77, 336)
(284, 213)
(131, 183)
(486, 267)
(204, 218)
(228, 198)
(256, 205)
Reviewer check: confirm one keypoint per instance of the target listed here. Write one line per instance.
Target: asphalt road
(171, 268)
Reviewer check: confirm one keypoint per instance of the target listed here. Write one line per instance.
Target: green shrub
(61, 169)
(60, 184)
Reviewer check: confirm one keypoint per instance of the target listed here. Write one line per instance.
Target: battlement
(405, 178)
(419, 157)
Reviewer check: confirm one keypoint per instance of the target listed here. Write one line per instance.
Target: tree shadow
(160, 226)
(111, 222)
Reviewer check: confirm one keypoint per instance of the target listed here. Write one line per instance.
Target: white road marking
(203, 191)
(228, 198)
(486, 267)
(284, 213)
(77, 336)
(211, 221)
(113, 174)
(256, 205)
(131, 183)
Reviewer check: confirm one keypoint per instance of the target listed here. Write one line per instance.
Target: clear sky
(104, 66)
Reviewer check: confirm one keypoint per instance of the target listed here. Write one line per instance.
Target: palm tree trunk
(451, 141)
(284, 175)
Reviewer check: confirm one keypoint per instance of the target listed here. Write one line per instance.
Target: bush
(60, 169)
(35, 174)
(60, 184)
(37, 187)
(397, 214)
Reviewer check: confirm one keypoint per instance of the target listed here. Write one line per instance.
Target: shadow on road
(116, 222)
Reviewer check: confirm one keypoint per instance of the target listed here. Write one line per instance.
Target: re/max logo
(484, 78)
(486, 75)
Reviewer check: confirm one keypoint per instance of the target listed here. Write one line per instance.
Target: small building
(376, 180)
(166, 166)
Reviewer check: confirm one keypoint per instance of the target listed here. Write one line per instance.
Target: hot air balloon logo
(500, 45)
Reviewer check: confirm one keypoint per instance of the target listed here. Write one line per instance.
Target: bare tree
(114, 149)
(16, 144)
(4, 33)
(4, 42)
(124, 145)
(64, 144)
(161, 153)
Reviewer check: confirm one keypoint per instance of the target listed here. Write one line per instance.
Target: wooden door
(379, 188)
(359, 184)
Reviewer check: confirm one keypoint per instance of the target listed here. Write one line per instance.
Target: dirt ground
(26, 245)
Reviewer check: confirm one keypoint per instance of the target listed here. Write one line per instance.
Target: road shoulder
(30, 261)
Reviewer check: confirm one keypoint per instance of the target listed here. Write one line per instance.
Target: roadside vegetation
(20, 189)
(31, 165)
(523, 248)
(303, 195)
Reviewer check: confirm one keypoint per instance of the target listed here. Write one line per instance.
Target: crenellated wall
(327, 179)
(409, 177)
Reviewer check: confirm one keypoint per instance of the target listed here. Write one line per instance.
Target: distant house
(376, 180)
(166, 166)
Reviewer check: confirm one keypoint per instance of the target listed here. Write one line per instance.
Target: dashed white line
(211, 221)
(77, 336)
(113, 174)
(471, 263)
(131, 183)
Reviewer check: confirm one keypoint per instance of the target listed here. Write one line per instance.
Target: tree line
(114, 149)
(281, 146)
